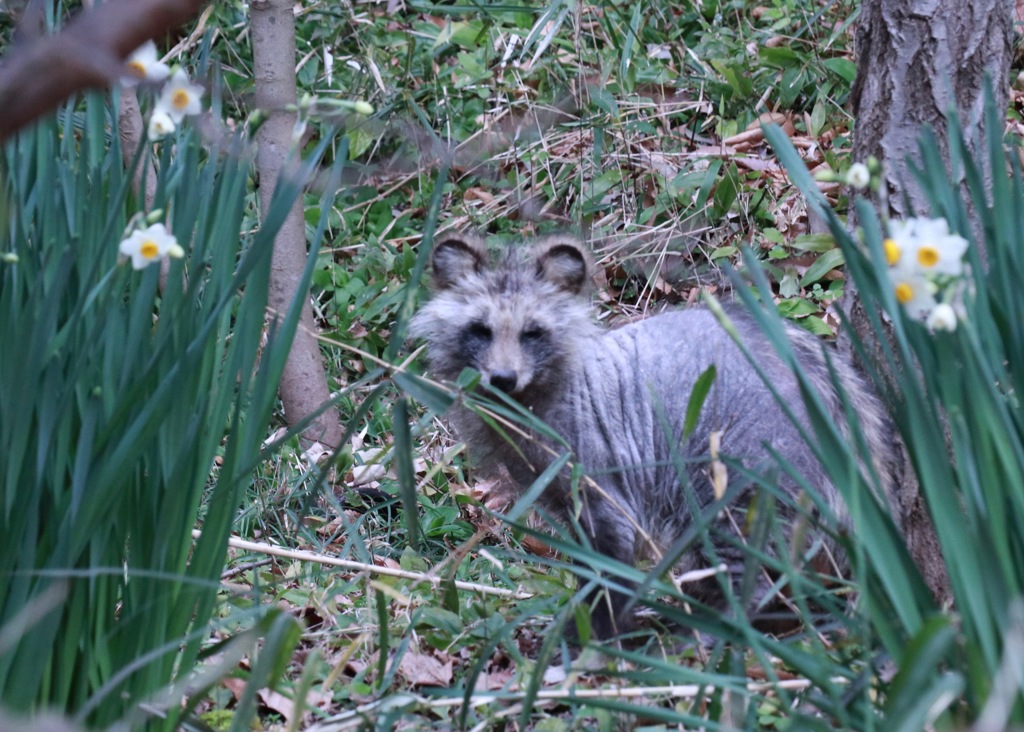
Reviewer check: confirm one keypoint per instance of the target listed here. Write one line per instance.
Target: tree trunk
(132, 130)
(304, 383)
(916, 61)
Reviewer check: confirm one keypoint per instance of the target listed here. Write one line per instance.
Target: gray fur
(522, 323)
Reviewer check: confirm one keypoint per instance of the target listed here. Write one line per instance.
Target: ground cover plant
(134, 411)
(125, 396)
(639, 128)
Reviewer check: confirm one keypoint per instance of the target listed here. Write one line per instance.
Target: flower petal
(180, 97)
(143, 64)
(160, 125)
(149, 245)
(942, 318)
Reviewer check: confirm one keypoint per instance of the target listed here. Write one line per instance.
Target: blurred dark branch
(38, 72)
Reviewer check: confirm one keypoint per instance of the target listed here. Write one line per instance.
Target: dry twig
(308, 556)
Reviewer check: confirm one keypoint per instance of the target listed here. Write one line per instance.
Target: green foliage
(117, 398)
(958, 413)
(526, 118)
(510, 119)
(558, 115)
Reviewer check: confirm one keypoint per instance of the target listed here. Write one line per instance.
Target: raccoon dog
(617, 398)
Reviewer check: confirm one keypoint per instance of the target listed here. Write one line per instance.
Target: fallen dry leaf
(747, 137)
(494, 680)
(277, 702)
(286, 707)
(235, 686)
(537, 547)
(421, 669)
(478, 194)
(759, 164)
(719, 473)
(313, 454)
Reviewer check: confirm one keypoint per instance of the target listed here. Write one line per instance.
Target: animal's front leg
(610, 533)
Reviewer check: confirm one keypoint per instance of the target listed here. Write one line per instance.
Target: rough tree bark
(304, 383)
(916, 60)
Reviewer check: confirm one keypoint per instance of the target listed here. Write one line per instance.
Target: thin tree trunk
(132, 130)
(304, 383)
(916, 61)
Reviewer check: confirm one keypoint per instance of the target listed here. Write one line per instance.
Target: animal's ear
(564, 262)
(456, 257)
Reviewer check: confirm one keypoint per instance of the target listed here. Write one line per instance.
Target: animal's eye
(479, 331)
(534, 333)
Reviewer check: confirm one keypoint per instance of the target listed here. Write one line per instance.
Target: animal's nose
(505, 380)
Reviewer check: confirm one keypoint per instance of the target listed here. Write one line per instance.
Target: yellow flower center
(892, 251)
(904, 293)
(137, 69)
(149, 249)
(180, 99)
(928, 256)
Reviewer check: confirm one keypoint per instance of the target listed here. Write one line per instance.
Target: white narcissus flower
(146, 246)
(181, 97)
(160, 125)
(858, 176)
(144, 64)
(902, 233)
(938, 250)
(926, 245)
(942, 317)
(925, 259)
(913, 291)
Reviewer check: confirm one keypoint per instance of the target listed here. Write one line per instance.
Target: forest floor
(635, 126)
